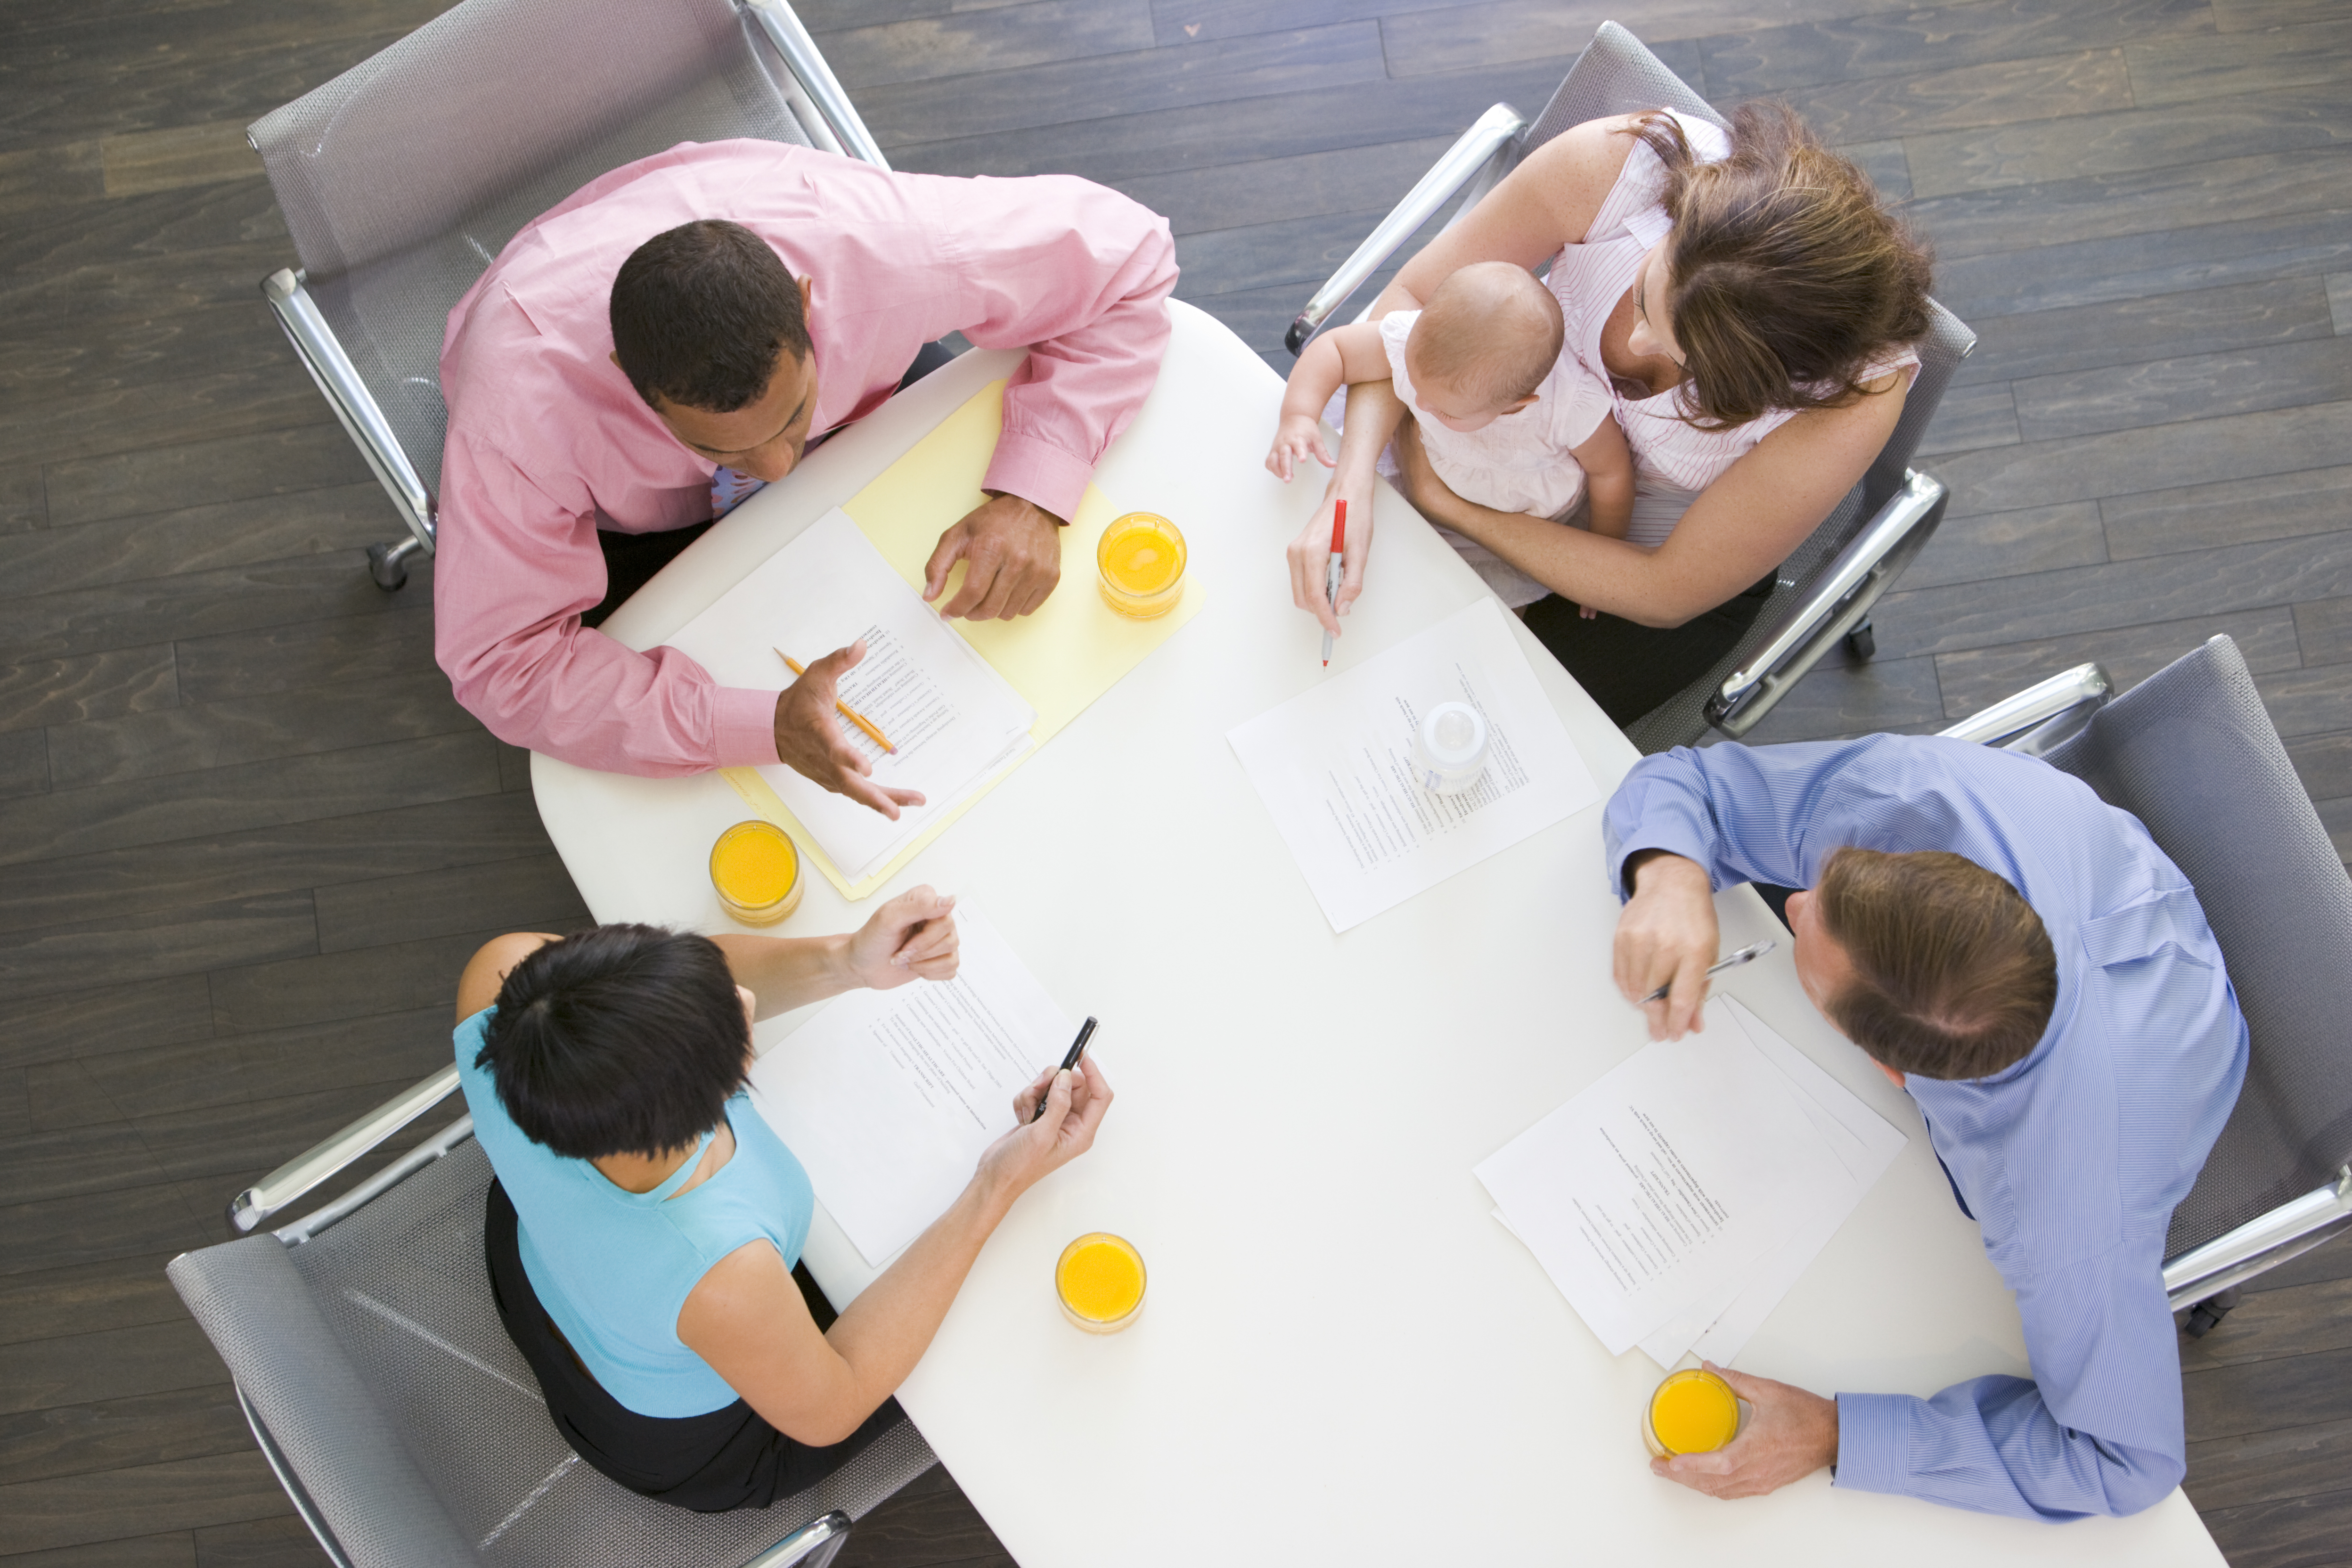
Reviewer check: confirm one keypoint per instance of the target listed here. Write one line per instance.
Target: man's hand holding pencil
(810, 739)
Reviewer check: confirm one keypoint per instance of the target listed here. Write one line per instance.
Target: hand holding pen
(1335, 568)
(1748, 954)
(1069, 1063)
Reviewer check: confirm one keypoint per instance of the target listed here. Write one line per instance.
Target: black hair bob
(626, 1039)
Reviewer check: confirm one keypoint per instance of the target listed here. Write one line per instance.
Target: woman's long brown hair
(1787, 275)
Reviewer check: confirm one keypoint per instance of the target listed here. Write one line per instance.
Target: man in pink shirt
(590, 401)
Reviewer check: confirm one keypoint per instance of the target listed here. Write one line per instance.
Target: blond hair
(1490, 332)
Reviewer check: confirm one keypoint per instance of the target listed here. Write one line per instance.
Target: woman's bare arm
(1742, 526)
(746, 1318)
(1548, 201)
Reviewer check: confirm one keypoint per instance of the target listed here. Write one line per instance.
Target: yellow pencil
(852, 715)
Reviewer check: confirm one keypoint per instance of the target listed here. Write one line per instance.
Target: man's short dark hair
(1954, 973)
(626, 1039)
(701, 313)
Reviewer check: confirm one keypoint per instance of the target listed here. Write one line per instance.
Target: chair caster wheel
(388, 564)
(1862, 642)
(2207, 1315)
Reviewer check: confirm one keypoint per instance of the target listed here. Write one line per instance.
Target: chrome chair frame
(1838, 605)
(2033, 723)
(823, 110)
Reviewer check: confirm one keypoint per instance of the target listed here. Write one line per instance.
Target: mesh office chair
(402, 179)
(1823, 593)
(401, 1419)
(2190, 752)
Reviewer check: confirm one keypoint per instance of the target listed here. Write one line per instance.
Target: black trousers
(632, 559)
(1629, 668)
(730, 1459)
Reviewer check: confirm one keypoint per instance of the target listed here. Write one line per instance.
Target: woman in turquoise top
(644, 1229)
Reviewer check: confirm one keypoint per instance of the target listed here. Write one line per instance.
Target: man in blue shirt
(2075, 1050)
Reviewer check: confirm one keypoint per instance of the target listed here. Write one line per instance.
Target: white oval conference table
(1344, 1358)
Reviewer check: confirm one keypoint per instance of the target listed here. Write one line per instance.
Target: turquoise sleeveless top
(613, 1268)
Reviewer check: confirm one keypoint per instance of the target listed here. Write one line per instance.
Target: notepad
(1676, 1200)
(1059, 660)
(953, 721)
(1333, 767)
(890, 1097)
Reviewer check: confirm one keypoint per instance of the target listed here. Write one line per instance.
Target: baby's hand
(1296, 437)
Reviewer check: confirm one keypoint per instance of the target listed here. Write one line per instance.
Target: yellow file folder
(1074, 648)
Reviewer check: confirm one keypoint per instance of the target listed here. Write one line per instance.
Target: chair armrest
(339, 382)
(2038, 718)
(2260, 1243)
(1840, 601)
(325, 1160)
(816, 79)
(812, 1543)
(1483, 150)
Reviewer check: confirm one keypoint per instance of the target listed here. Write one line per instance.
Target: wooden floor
(247, 838)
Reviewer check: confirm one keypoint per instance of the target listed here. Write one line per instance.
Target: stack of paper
(1680, 1197)
(890, 1097)
(954, 721)
(1334, 766)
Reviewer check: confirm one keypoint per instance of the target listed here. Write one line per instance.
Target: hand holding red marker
(1336, 568)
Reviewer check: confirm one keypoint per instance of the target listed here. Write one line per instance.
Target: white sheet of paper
(888, 1097)
(1654, 1192)
(1333, 767)
(953, 720)
(1863, 1143)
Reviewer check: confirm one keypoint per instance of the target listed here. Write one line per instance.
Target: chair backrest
(1616, 74)
(2190, 752)
(403, 178)
(375, 1356)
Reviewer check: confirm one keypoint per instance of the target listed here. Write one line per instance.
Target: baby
(1508, 420)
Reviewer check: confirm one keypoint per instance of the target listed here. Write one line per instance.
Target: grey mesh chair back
(1614, 75)
(403, 178)
(2190, 752)
(408, 1429)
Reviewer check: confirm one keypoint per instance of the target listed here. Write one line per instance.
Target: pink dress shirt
(548, 442)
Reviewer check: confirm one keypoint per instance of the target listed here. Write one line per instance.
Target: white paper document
(888, 1097)
(1865, 1143)
(1334, 766)
(1670, 1192)
(955, 722)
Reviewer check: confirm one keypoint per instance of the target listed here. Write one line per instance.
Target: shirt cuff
(1653, 835)
(1038, 472)
(745, 725)
(1873, 1442)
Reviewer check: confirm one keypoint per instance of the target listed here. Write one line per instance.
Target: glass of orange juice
(1099, 1282)
(756, 868)
(1692, 1412)
(1139, 562)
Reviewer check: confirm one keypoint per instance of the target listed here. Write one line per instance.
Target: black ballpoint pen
(1078, 1049)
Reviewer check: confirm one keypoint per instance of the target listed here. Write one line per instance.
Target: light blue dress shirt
(2072, 1160)
(613, 1268)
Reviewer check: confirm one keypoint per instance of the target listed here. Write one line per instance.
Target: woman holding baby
(1736, 312)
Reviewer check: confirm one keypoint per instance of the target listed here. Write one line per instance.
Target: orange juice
(1692, 1412)
(1099, 1280)
(1141, 561)
(756, 868)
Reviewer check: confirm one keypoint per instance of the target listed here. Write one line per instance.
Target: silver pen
(1752, 951)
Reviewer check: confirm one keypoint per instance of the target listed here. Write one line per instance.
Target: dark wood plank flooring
(247, 838)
